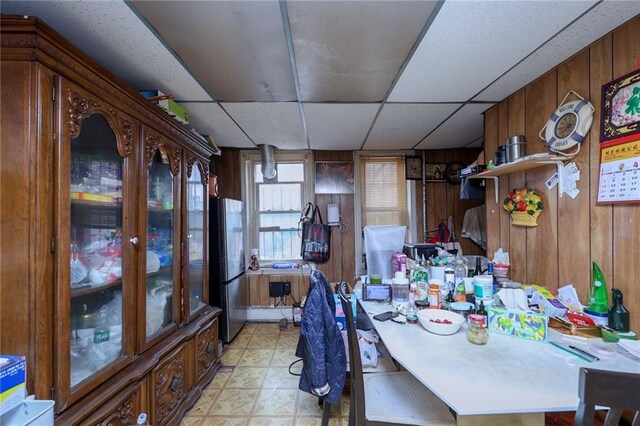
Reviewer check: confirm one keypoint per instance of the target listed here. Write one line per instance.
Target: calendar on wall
(619, 179)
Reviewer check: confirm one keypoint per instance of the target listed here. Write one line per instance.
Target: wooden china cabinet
(104, 238)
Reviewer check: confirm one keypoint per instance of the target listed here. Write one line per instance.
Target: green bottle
(598, 299)
(618, 315)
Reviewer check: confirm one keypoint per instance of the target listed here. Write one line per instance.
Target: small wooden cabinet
(104, 280)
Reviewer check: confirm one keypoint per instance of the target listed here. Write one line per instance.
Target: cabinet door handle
(134, 241)
(175, 384)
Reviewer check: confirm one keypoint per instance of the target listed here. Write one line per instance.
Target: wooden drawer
(207, 349)
(122, 409)
(168, 385)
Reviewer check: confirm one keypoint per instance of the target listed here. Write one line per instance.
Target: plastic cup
(375, 279)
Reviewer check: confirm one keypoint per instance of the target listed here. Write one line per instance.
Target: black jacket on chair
(320, 345)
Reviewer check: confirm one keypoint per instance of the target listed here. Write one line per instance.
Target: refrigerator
(228, 281)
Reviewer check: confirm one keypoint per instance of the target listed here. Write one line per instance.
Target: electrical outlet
(286, 287)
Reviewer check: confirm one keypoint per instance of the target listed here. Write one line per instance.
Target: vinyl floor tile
(272, 402)
(279, 378)
(230, 357)
(256, 357)
(262, 341)
(234, 402)
(247, 378)
(254, 386)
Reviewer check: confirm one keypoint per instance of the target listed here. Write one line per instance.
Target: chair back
(355, 362)
(618, 391)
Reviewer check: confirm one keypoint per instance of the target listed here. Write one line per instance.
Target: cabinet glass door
(162, 258)
(196, 238)
(96, 249)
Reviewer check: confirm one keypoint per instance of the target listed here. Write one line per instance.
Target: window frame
(250, 188)
(412, 219)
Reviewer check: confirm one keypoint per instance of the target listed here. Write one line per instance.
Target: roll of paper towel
(333, 214)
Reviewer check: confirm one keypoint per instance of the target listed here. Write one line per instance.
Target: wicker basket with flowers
(524, 205)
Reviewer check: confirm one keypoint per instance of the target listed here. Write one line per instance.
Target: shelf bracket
(560, 170)
(496, 186)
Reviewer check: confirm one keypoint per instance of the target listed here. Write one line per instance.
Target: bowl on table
(433, 320)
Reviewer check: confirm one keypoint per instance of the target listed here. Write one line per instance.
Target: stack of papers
(632, 346)
(570, 175)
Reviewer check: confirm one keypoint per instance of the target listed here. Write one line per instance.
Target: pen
(571, 351)
(585, 353)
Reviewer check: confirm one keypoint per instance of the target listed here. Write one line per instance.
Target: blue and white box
(13, 376)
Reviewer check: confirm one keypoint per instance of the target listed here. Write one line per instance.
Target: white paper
(552, 181)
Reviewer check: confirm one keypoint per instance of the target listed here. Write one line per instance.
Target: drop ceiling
(332, 75)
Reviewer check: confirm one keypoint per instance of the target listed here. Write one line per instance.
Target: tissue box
(524, 324)
(170, 106)
(13, 374)
(341, 319)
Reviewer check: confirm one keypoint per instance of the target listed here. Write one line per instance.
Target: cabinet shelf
(92, 288)
(525, 163)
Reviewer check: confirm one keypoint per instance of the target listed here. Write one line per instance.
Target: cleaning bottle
(598, 298)
(618, 315)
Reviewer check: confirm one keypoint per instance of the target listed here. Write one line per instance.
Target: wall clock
(568, 125)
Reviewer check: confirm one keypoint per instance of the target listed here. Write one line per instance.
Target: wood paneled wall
(571, 233)
(341, 265)
(443, 199)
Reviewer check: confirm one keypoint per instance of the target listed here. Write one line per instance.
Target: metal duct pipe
(268, 167)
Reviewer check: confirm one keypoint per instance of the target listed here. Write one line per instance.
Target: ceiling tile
(352, 51)
(470, 43)
(236, 48)
(338, 126)
(593, 25)
(464, 127)
(402, 126)
(111, 33)
(272, 123)
(209, 118)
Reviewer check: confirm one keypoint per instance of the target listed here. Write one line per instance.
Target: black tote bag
(316, 239)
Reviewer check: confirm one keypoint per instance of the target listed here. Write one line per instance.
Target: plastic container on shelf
(29, 413)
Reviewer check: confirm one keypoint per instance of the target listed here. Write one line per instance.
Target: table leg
(526, 419)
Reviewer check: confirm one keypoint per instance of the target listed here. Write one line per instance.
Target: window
(273, 207)
(385, 197)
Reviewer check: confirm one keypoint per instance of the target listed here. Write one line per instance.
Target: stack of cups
(483, 289)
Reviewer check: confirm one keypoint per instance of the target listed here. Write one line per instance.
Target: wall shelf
(525, 163)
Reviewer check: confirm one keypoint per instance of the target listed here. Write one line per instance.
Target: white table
(508, 376)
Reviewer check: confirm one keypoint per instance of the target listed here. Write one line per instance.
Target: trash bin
(29, 413)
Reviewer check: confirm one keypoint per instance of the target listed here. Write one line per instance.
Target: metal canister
(501, 155)
(516, 148)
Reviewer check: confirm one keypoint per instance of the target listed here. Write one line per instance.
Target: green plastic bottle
(599, 298)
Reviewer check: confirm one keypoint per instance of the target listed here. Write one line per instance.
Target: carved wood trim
(170, 386)
(206, 350)
(81, 108)
(125, 414)
(204, 169)
(151, 144)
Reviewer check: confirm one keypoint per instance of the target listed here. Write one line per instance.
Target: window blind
(383, 191)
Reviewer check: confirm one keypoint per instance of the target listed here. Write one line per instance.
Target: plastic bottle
(459, 274)
(598, 297)
(449, 278)
(400, 288)
(618, 315)
(490, 272)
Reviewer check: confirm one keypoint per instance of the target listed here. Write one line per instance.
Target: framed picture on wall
(434, 172)
(621, 108)
(334, 177)
(413, 167)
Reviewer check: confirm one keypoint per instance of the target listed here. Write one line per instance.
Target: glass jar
(477, 329)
